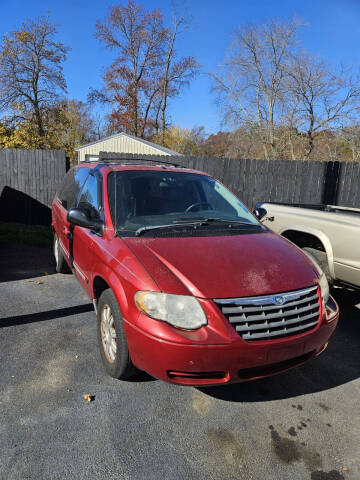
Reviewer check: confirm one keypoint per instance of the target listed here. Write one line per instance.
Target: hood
(224, 266)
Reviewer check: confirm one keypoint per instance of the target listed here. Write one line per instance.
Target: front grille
(273, 316)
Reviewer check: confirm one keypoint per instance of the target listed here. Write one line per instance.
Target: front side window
(90, 197)
(71, 186)
(144, 198)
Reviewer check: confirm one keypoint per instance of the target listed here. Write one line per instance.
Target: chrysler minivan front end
(188, 285)
(196, 336)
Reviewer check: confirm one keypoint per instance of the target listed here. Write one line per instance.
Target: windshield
(143, 198)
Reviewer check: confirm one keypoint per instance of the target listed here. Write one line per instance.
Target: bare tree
(250, 85)
(351, 137)
(321, 100)
(31, 74)
(176, 73)
(146, 72)
(131, 82)
(98, 126)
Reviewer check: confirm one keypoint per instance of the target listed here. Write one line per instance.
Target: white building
(120, 143)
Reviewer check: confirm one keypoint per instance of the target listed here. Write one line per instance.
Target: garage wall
(123, 143)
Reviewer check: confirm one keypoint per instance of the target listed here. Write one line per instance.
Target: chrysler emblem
(278, 300)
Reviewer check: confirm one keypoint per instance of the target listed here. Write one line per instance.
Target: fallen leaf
(40, 282)
(89, 398)
(46, 273)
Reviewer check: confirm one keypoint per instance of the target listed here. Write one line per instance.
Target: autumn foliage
(275, 99)
(146, 72)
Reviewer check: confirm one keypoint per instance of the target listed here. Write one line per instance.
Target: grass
(29, 234)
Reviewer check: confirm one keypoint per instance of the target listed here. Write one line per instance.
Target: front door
(83, 257)
(66, 199)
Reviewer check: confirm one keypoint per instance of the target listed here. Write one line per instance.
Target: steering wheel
(197, 205)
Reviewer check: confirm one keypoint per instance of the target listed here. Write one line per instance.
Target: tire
(113, 346)
(60, 263)
(321, 259)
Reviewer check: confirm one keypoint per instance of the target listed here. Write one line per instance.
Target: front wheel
(114, 350)
(60, 263)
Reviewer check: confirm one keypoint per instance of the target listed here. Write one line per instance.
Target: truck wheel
(321, 259)
(61, 265)
(111, 335)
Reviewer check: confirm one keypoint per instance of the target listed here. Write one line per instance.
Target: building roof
(141, 140)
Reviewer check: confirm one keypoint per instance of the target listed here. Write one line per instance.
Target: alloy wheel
(108, 333)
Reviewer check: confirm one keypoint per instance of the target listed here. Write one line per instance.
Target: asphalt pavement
(303, 424)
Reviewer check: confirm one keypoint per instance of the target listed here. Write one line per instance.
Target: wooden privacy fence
(28, 182)
(288, 181)
(30, 178)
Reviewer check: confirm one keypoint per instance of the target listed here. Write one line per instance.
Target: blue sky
(332, 32)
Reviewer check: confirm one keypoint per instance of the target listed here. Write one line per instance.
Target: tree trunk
(157, 126)
(40, 126)
(144, 123)
(291, 147)
(166, 82)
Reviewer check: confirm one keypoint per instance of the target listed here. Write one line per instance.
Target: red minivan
(187, 284)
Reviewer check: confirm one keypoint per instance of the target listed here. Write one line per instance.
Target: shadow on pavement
(48, 315)
(339, 364)
(18, 262)
(140, 377)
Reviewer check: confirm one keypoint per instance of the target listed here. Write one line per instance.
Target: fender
(321, 236)
(110, 277)
(120, 280)
(128, 311)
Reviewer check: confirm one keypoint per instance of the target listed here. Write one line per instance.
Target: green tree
(182, 140)
(67, 125)
(31, 73)
(6, 133)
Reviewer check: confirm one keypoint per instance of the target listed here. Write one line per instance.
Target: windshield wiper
(141, 230)
(197, 223)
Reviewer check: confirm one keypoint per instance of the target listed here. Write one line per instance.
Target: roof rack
(108, 161)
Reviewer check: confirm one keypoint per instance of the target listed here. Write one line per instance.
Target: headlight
(179, 310)
(324, 286)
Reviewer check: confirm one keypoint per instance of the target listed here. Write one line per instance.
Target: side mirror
(260, 212)
(81, 218)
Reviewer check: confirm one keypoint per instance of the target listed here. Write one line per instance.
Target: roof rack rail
(130, 162)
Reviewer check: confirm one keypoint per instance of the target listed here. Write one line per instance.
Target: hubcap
(108, 333)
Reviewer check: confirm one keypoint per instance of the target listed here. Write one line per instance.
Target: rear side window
(71, 186)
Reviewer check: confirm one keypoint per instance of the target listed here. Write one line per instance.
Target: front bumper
(236, 361)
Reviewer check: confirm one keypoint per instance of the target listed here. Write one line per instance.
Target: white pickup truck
(330, 234)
